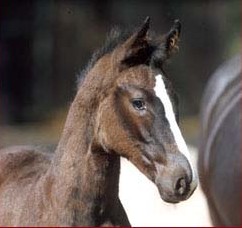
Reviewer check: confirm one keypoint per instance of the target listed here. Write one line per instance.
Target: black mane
(118, 36)
(115, 37)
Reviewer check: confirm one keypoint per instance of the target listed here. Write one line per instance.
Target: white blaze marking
(161, 92)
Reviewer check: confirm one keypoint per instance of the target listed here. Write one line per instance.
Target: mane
(115, 37)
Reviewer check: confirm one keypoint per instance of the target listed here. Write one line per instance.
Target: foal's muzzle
(175, 182)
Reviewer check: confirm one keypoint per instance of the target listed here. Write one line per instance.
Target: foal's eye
(138, 104)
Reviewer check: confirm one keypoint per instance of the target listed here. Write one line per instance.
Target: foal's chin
(172, 197)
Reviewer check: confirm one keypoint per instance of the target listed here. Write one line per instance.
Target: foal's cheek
(108, 130)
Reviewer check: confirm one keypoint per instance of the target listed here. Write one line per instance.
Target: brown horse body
(220, 153)
(113, 114)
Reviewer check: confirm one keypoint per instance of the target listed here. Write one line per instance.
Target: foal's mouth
(182, 190)
(174, 198)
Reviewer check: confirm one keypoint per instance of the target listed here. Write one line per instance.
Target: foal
(120, 109)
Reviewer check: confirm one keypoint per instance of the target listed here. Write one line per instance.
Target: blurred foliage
(44, 44)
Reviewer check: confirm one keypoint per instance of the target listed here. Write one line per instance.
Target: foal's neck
(86, 178)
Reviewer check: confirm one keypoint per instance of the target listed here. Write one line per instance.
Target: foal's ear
(167, 46)
(137, 49)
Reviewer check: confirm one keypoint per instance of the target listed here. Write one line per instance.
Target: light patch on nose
(161, 92)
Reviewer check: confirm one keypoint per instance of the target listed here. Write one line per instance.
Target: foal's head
(136, 113)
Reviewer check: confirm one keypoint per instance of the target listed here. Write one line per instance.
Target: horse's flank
(220, 152)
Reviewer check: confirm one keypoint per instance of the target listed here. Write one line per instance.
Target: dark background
(44, 44)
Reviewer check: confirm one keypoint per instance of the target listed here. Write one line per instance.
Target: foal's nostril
(181, 187)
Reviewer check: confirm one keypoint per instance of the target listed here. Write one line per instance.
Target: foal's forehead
(142, 77)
